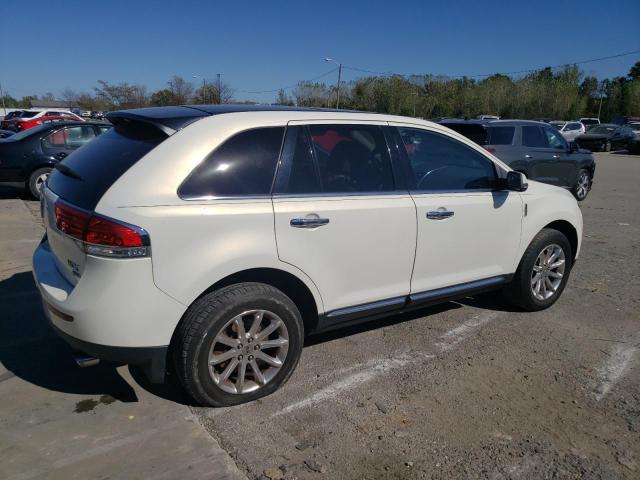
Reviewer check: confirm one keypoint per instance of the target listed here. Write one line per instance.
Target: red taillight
(71, 221)
(490, 149)
(101, 231)
(19, 125)
(102, 236)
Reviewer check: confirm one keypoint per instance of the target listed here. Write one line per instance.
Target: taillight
(490, 149)
(101, 235)
(19, 125)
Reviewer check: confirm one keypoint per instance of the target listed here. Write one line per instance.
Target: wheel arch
(569, 231)
(288, 283)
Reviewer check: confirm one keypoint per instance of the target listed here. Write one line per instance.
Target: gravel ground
(472, 389)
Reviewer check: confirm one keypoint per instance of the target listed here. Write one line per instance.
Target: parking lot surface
(470, 389)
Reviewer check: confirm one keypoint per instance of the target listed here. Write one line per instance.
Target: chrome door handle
(556, 156)
(439, 214)
(528, 156)
(309, 222)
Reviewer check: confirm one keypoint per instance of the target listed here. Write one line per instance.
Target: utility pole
(415, 98)
(219, 90)
(204, 91)
(2, 96)
(339, 80)
(600, 107)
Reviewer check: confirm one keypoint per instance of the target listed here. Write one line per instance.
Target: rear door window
(336, 159)
(500, 135)
(244, 165)
(532, 136)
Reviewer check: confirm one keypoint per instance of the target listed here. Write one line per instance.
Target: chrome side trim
(455, 290)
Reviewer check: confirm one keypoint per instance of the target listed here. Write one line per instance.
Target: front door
(340, 218)
(467, 230)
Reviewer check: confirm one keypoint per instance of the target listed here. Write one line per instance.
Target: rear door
(538, 155)
(467, 230)
(562, 166)
(342, 217)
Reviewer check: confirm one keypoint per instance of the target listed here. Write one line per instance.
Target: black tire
(580, 190)
(607, 147)
(205, 319)
(519, 290)
(33, 184)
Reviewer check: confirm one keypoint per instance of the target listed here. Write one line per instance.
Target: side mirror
(516, 181)
(573, 147)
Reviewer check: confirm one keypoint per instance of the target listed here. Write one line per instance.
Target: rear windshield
(473, 131)
(93, 168)
(28, 114)
(500, 135)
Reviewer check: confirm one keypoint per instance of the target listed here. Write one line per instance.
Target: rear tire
(36, 179)
(219, 325)
(522, 291)
(607, 146)
(582, 186)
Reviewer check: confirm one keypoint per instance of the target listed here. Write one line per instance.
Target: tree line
(566, 93)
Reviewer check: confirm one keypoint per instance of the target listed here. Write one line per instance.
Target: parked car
(635, 126)
(224, 235)
(30, 119)
(97, 115)
(5, 121)
(569, 130)
(27, 157)
(535, 149)
(488, 117)
(6, 133)
(606, 137)
(85, 113)
(589, 121)
(9, 121)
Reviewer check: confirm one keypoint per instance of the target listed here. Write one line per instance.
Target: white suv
(220, 236)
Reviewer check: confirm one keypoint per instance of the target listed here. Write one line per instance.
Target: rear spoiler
(166, 119)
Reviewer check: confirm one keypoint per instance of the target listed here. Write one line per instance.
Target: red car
(30, 119)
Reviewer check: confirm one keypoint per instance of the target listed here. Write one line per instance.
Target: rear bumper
(115, 312)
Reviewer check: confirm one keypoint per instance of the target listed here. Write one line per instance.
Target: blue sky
(49, 45)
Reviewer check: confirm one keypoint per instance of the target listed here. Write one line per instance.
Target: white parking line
(621, 359)
(369, 370)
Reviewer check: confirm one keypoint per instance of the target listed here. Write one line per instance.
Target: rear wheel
(238, 344)
(607, 147)
(583, 185)
(36, 179)
(543, 272)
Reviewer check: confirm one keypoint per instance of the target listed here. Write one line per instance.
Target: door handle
(308, 222)
(439, 214)
(61, 155)
(528, 156)
(556, 157)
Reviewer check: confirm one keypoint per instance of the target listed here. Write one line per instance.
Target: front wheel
(583, 185)
(238, 344)
(543, 272)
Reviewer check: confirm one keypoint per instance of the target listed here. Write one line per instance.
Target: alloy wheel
(583, 185)
(248, 351)
(548, 272)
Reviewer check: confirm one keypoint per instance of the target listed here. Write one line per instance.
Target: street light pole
(204, 88)
(339, 79)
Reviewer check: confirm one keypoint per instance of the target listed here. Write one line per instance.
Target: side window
(554, 139)
(242, 165)
(500, 135)
(103, 129)
(440, 163)
(574, 126)
(336, 159)
(532, 137)
(56, 139)
(78, 136)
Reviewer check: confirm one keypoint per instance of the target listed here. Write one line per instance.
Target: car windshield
(635, 126)
(601, 129)
(558, 125)
(589, 121)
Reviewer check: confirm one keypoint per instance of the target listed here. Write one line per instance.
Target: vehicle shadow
(31, 351)
(9, 192)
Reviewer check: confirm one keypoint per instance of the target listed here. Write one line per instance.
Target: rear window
(100, 162)
(28, 114)
(533, 137)
(500, 135)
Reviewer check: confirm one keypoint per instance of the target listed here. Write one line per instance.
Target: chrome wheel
(548, 272)
(582, 187)
(248, 351)
(40, 180)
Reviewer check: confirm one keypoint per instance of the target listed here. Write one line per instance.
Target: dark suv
(539, 151)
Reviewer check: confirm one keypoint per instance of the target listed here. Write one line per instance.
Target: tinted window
(102, 161)
(28, 114)
(440, 163)
(554, 139)
(533, 137)
(243, 165)
(71, 137)
(352, 158)
(299, 172)
(500, 135)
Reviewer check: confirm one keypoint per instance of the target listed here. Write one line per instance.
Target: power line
(516, 72)
(290, 86)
